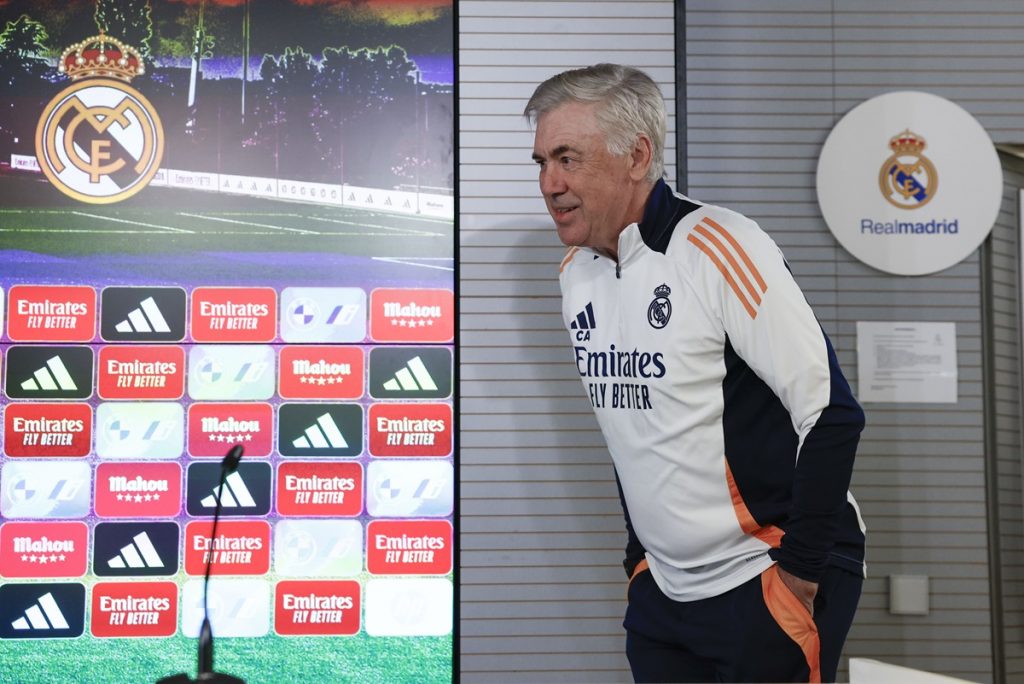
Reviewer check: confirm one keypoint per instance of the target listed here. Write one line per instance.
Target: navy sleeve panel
(760, 443)
(634, 549)
(808, 502)
(822, 480)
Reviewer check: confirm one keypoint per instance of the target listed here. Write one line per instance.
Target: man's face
(584, 186)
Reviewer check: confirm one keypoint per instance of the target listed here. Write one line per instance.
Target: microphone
(206, 674)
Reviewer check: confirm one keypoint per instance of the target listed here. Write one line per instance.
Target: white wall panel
(542, 531)
(542, 593)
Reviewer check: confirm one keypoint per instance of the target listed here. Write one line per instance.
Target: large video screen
(227, 223)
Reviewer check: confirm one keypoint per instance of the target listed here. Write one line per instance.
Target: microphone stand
(205, 674)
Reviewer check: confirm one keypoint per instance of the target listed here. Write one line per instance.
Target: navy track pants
(757, 632)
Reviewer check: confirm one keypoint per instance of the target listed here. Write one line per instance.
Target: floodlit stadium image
(177, 234)
(227, 227)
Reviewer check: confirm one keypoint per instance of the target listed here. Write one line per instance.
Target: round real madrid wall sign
(99, 140)
(909, 183)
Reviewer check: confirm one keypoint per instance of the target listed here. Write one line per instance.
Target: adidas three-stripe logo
(413, 377)
(585, 319)
(53, 376)
(732, 262)
(44, 615)
(324, 434)
(146, 318)
(139, 554)
(233, 494)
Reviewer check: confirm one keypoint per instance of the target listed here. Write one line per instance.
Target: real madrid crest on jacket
(99, 140)
(729, 422)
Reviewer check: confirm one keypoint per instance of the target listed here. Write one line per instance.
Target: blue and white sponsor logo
(318, 548)
(45, 489)
(238, 607)
(323, 314)
(417, 488)
(231, 372)
(415, 606)
(143, 430)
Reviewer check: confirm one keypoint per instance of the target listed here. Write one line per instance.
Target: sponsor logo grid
(117, 405)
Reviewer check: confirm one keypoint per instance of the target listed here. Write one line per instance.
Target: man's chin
(570, 237)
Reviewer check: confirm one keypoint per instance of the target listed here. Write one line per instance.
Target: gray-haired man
(731, 427)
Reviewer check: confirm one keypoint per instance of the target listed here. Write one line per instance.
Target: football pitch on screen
(358, 659)
(35, 218)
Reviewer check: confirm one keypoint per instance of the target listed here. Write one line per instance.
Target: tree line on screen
(356, 115)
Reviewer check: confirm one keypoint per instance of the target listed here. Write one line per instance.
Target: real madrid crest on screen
(879, 190)
(99, 140)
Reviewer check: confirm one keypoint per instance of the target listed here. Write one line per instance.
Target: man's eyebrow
(557, 152)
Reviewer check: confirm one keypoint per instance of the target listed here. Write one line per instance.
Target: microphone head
(230, 462)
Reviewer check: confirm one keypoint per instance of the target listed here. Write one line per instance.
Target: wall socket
(908, 594)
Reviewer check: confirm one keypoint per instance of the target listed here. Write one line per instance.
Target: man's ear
(641, 158)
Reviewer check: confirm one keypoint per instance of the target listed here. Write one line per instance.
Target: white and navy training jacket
(731, 427)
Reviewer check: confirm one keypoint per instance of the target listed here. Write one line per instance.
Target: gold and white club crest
(908, 179)
(99, 140)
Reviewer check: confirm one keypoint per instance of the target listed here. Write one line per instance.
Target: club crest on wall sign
(878, 183)
(908, 179)
(99, 140)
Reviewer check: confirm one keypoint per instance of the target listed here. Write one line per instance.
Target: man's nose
(551, 181)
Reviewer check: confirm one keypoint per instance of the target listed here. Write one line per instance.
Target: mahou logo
(316, 608)
(214, 428)
(242, 547)
(138, 490)
(134, 609)
(321, 372)
(410, 429)
(234, 314)
(47, 430)
(409, 547)
(412, 315)
(320, 489)
(43, 549)
(141, 372)
(51, 313)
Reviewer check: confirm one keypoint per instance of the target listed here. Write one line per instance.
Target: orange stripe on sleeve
(568, 258)
(793, 618)
(739, 250)
(770, 534)
(725, 274)
(710, 237)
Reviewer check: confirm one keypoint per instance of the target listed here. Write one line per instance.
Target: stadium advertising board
(227, 222)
